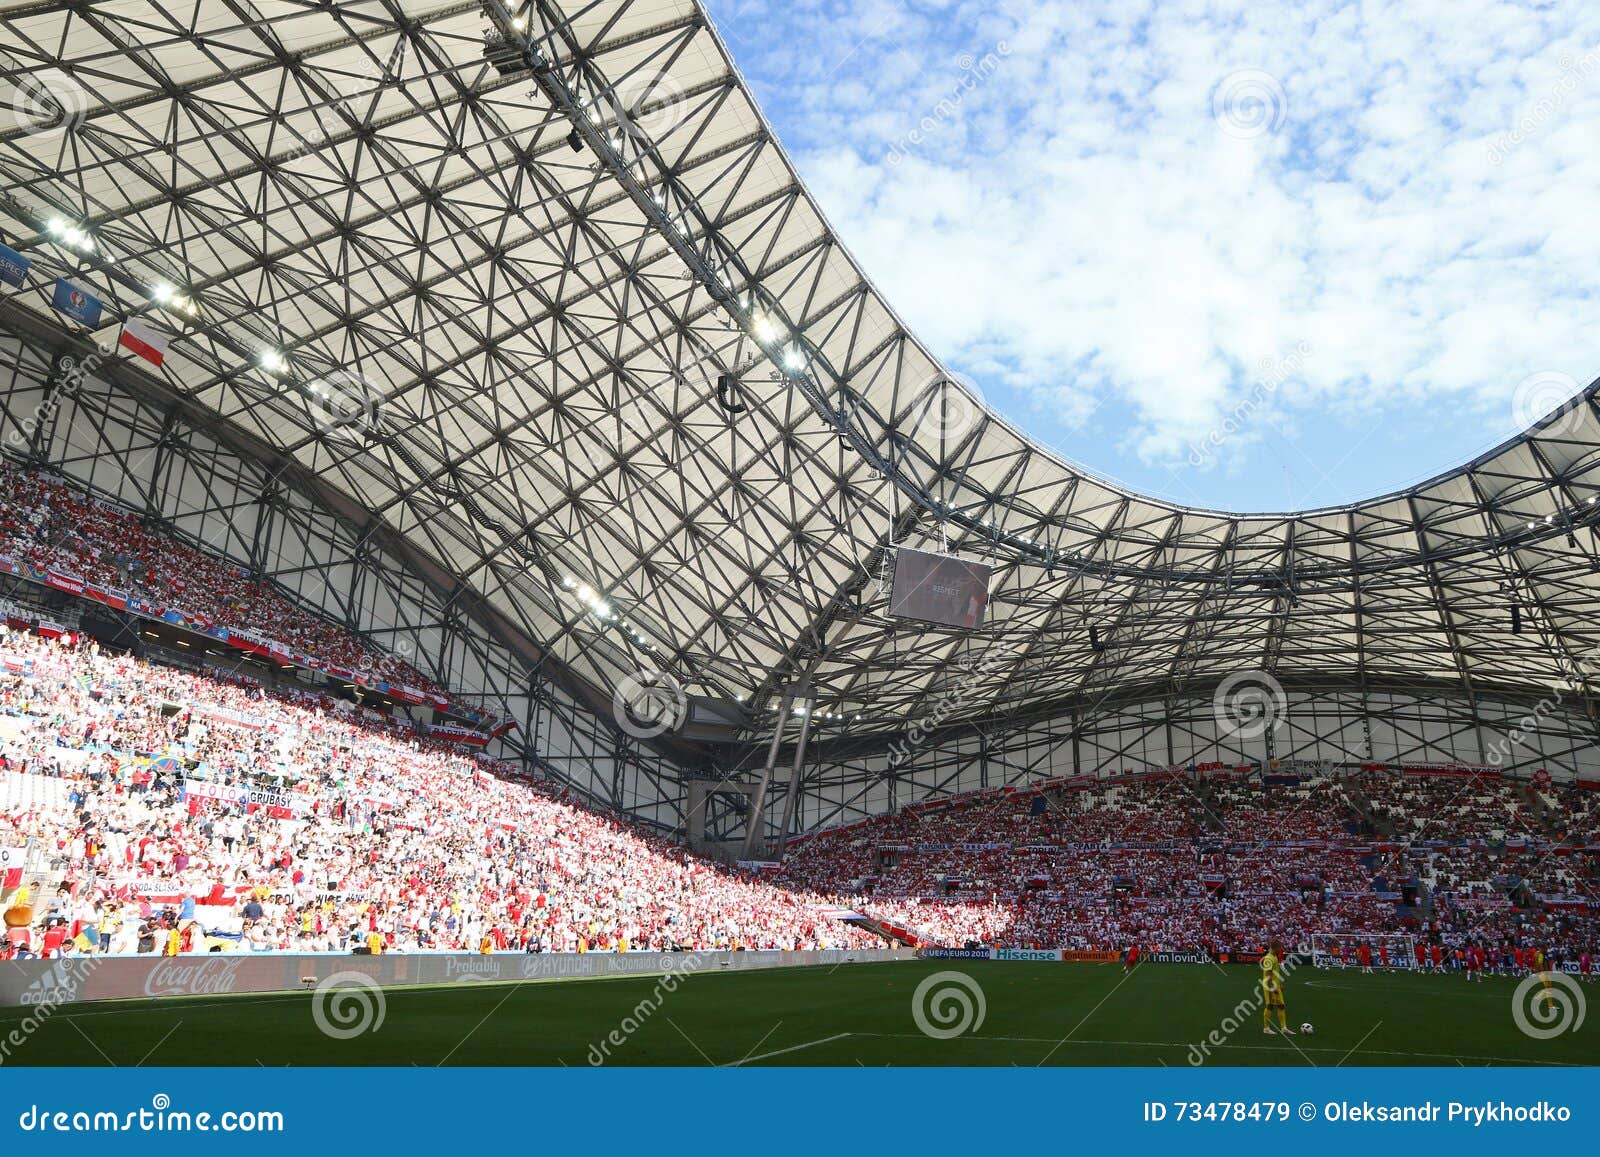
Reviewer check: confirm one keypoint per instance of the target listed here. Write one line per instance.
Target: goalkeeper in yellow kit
(1272, 991)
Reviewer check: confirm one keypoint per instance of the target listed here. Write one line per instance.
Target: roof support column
(794, 774)
(758, 801)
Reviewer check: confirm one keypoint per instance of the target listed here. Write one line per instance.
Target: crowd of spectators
(1180, 862)
(359, 837)
(50, 526)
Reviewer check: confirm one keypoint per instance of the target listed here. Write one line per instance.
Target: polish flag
(143, 340)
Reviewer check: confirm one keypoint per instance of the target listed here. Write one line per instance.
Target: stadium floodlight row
(443, 318)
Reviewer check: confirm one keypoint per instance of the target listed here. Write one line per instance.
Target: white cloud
(1079, 226)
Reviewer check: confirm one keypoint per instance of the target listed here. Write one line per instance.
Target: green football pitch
(1056, 1014)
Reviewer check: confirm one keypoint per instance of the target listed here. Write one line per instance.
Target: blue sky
(1243, 255)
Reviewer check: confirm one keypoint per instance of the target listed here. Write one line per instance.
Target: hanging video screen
(939, 588)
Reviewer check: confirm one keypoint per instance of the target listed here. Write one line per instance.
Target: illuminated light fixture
(585, 593)
(163, 293)
(568, 582)
(520, 23)
(273, 361)
(765, 329)
(794, 359)
(71, 235)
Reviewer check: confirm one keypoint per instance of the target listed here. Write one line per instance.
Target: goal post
(1389, 950)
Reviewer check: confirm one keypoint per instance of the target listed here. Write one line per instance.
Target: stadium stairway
(1365, 816)
(1209, 808)
(1545, 814)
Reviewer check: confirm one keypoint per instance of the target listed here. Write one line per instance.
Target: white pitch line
(791, 1049)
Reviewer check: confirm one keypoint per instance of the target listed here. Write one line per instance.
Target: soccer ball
(1306, 1028)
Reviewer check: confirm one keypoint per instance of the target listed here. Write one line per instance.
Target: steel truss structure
(576, 382)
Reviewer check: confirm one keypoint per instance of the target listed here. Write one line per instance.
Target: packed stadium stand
(127, 777)
(1177, 862)
(173, 812)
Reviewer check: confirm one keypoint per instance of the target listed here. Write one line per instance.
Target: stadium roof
(505, 280)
